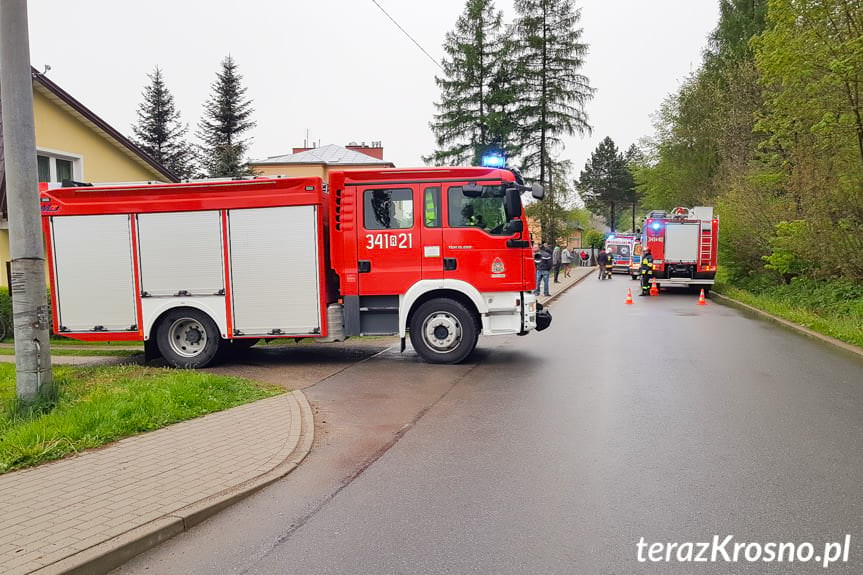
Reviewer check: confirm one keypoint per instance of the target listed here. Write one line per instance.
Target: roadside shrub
(6, 305)
(595, 239)
(786, 249)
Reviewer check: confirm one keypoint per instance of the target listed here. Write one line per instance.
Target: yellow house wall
(60, 131)
(101, 161)
(292, 171)
(307, 170)
(4, 251)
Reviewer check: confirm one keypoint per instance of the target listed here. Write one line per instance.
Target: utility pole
(30, 308)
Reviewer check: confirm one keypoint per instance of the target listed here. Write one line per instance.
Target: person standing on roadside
(542, 259)
(584, 258)
(555, 263)
(602, 260)
(565, 260)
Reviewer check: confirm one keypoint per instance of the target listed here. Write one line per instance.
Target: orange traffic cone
(628, 296)
(654, 290)
(701, 298)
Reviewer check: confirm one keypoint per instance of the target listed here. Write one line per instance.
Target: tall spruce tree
(476, 95)
(549, 55)
(226, 118)
(606, 184)
(553, 211)
(159, 131)
(635, 160)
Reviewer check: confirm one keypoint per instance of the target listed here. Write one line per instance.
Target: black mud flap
(543, 317)
(151, 350)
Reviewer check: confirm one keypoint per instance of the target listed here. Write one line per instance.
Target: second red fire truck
(684, 246)
(440, 255)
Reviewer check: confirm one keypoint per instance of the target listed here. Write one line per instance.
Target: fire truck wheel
(443, 331)
(188, 338)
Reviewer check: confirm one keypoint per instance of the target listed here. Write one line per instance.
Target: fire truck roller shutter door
(181, 254)
(275, 271)
(93, 270)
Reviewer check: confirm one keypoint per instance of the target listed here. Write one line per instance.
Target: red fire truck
(201, 268)
(683, 244)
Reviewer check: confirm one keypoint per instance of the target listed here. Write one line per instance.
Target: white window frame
(54, 155)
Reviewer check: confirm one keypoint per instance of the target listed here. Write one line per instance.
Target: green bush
(787, 249)
(5, 305)
(595, 239)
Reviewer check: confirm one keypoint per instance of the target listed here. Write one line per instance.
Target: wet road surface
(558, 452)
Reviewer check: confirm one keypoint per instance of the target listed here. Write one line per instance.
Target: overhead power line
(408, 35)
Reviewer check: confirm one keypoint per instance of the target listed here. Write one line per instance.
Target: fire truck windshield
(482, 209)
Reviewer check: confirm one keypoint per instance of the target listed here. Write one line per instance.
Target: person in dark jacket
(542, 259)
(602, 260)
(646, 270)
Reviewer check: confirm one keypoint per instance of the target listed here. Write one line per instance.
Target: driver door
(474, 241)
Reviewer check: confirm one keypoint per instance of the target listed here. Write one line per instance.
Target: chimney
(375, 150)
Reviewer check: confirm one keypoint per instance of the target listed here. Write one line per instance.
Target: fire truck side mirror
(513, 227)
(512, 203)
(537, 191)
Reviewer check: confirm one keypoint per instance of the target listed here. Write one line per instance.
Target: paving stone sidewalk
(94, 511)
(556, 289)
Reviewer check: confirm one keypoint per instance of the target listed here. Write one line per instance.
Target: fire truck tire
(188, 338)
(443, 331)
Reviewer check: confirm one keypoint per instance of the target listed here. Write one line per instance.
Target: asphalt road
(558, 452)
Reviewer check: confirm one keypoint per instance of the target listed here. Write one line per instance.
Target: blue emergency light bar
(493, 160)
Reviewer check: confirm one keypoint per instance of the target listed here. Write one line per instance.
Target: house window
(56, 168)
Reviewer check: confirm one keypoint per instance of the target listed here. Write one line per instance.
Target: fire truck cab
(202, 268)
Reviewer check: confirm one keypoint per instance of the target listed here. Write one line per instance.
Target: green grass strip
(98, 405)
(840, 324)
(82, 352)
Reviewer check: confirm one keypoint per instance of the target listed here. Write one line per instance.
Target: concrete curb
(724, 299)
(112, 553)
(551, 299)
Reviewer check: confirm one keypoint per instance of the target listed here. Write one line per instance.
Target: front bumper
(535, 316)
(543, 317)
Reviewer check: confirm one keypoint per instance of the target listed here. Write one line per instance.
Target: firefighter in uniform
(646, 270)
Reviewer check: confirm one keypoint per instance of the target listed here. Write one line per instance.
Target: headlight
(531, 307)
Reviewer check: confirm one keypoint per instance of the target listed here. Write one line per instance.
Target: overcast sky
(341, 69)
